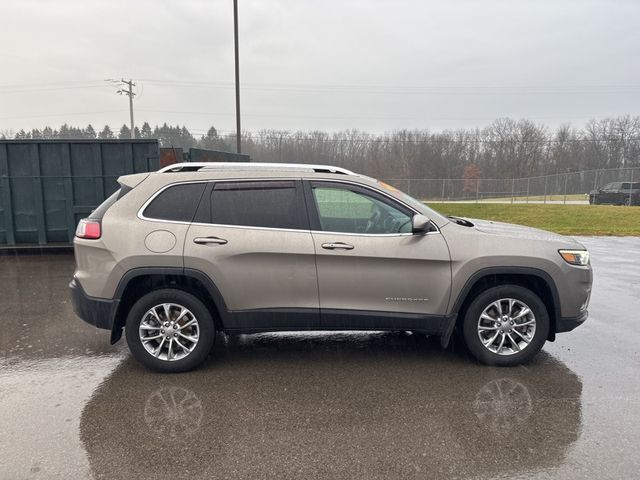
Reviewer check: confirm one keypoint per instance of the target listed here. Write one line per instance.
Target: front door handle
(337, 246)
(207, 240)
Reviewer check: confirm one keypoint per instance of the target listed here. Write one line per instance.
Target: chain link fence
(571, 187)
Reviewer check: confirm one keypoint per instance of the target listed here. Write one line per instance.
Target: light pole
(235, 38)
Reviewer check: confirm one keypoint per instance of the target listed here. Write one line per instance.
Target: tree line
(506, 148)
(169, 136)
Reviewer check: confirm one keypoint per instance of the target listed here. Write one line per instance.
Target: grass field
(564, 219)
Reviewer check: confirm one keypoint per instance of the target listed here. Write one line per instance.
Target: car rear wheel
(170, 330)
(506, 325)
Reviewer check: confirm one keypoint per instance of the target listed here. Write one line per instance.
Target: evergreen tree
(64, 131)
(125, 132)
(89, 132)
(47, 133)
(146, 131)
(75, 132)
(106, 133)
(211, 141)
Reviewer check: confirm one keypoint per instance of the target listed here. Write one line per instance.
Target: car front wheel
(506, 325)
(170, 330)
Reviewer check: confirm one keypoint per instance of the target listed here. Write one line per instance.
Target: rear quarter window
(176, 203)
(99, 212)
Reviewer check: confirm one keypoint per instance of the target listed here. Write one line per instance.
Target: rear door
(252, 239)
(371, 268)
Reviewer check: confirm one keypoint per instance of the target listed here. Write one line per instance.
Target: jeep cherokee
(176, 256)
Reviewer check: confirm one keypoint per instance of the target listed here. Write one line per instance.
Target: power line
(356, 117)
(412, 89)
(46, 115)
(359, 88)
(577, 89)
(46, 89)
(51, 83)
(98, 82)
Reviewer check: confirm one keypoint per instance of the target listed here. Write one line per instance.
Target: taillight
(90, 229)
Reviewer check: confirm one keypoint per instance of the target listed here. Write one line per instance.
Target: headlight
(575, 257)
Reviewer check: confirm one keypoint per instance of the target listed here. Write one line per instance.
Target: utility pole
(128, 91)
(130, 94)
(237, 56)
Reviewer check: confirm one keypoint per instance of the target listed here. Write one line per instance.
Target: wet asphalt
(339, 405)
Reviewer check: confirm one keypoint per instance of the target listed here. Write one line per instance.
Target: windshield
(412, 202)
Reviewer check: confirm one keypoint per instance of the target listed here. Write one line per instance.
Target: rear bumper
(566, 324)
(98, 312)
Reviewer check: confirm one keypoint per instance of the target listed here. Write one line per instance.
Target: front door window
(347, 211)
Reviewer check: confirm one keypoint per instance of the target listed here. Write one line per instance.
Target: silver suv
(175, 256)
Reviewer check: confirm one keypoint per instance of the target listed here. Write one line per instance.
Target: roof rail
(208, 166)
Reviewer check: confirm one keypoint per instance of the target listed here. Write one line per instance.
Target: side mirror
(419, 223)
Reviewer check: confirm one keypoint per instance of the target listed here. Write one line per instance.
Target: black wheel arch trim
(204, 279)
(526, 271)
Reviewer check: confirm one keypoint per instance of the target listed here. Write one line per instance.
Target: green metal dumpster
(46, 186)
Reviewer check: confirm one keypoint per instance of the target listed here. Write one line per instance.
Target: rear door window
(267, 204)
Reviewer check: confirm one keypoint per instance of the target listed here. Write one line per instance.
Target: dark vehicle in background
(616, 193)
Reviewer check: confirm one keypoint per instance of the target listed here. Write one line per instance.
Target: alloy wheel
(506, 326)
(169, 331)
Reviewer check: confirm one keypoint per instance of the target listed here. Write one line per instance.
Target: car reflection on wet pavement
(319, 405)
(336, 406)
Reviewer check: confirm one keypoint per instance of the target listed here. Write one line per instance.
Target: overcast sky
(330, 65)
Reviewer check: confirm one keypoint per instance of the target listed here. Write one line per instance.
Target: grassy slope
(564, 219)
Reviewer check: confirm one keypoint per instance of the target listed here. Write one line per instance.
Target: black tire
(201, 349)
(482, 301)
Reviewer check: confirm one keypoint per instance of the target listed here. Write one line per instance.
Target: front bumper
(98, 312)
(566, 324)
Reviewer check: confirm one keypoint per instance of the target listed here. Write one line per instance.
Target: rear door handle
(207, 240)
(337, 246)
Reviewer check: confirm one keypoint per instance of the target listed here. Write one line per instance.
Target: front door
(371, 268)
(252, 239)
